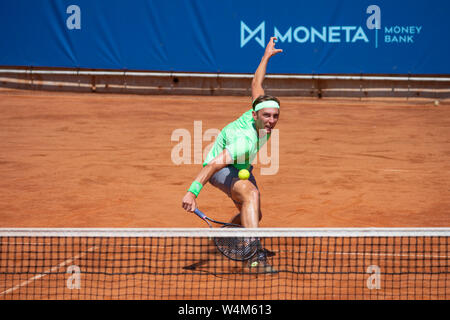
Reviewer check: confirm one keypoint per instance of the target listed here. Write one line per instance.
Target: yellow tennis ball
(244, 174)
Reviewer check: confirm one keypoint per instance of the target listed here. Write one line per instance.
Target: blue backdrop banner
(318, 37)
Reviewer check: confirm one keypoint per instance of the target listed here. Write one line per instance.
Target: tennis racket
(234, 248)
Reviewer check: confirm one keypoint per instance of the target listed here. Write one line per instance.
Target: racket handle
(200, 214)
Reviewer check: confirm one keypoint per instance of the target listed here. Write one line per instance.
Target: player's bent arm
(216, 164)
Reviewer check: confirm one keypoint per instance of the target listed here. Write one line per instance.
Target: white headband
(267, 104)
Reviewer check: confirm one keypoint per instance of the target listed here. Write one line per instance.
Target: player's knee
(246, 192)
(253, 195)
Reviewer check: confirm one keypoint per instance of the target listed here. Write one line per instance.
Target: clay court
(105, 160)
(72, 160)
(108, 111)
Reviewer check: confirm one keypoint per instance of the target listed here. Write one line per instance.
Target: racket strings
(238, 248)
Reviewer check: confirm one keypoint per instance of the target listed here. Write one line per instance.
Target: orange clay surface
(103, 160)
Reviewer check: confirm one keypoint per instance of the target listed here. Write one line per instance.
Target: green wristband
(195, 188)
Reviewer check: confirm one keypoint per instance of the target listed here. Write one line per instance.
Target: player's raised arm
(258, 78)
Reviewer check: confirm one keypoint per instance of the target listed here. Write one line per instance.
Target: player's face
(266, 119)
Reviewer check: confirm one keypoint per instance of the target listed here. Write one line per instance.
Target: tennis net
(184, 264)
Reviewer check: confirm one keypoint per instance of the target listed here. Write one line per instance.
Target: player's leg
(247, 195)
(237, 218)
(244, 193)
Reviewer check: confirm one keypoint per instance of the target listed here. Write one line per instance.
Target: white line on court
(39, 276)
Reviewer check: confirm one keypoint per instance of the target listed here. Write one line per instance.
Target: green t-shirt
(240, 138)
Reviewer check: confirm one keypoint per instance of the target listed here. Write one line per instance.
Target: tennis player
(236, 147)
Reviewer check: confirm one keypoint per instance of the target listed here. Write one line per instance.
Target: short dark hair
(264, 98)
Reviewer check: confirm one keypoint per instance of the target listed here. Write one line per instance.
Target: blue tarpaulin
(318, 37)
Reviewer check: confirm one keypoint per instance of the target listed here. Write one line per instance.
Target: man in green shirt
(235, 148)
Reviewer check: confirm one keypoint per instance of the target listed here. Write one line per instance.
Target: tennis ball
(436, 102)
(244, 174)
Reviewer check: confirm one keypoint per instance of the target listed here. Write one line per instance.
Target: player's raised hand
(270, 49)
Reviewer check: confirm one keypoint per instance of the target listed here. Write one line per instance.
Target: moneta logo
(335, 33)
(252, 34)
(303, 34)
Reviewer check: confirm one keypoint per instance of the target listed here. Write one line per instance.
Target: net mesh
(176, 264)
